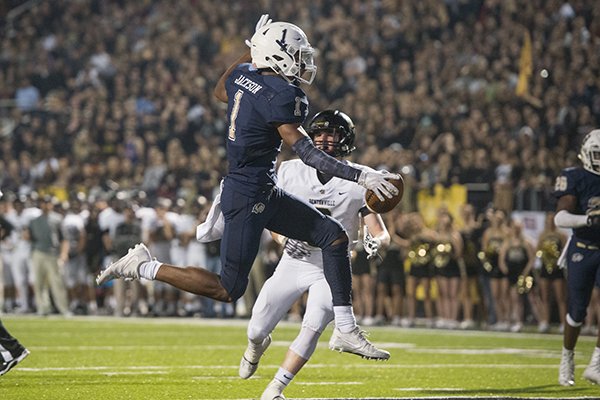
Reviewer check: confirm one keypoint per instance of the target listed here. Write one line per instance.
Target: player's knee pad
(336, 267)
(573, 321)
(256, 333)
(576, 311)
(305, 343)
(330, 231)
(338, 247)
(317, 320)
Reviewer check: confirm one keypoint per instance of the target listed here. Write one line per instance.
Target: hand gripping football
(388, 204)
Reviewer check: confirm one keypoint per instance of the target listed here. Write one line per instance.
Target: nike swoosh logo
(341, 193)
(286, 377)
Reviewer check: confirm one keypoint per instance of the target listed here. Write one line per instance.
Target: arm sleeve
(323, 162)
(564, 219)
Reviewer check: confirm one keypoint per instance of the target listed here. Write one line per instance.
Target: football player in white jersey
(301, 266)
(20, 256)
(72, 257)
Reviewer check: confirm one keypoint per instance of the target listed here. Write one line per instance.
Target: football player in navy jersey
(578, 208)
(265, 107)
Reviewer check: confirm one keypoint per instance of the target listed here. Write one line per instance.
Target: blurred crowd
(111, 101)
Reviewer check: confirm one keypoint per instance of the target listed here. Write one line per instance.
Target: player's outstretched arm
(220, 92)
(295, 136)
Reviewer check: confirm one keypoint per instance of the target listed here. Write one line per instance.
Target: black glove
(593, 217)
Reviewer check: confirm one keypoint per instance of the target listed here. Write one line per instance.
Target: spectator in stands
(447, 258)
(551, 277)
(515, 260)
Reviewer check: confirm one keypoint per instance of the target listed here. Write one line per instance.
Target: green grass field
(107, 358)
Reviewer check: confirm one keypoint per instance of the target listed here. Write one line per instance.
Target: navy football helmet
(337, 124)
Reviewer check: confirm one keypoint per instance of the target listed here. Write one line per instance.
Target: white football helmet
(284, 48)
(590, 152)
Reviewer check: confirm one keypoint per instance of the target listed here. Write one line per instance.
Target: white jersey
(109, 219)
(341, 199)
(72, 222)
(20, 223)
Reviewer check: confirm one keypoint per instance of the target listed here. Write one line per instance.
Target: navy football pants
(278, 211)
(583, 272)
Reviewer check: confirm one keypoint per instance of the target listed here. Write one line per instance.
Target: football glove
(263, 20)
(593, 217)
(296, 248)
(371, 244)
(377, 181)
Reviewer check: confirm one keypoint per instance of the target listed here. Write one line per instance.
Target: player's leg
(11, 351)
(19, 272)
(276, 297)
(297, 219)
(40, 276)
(7, 301)
(319, 313)
(138, 263)
(239, 245)
(592, 371)
(581, 277)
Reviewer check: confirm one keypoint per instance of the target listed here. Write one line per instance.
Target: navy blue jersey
(585, 186)
(257, 103)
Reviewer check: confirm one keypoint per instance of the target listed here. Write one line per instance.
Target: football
(388, 204)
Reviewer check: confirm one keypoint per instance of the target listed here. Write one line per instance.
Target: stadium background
(109, 104)
(473, 101)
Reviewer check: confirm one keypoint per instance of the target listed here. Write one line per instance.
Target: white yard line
(273, 366)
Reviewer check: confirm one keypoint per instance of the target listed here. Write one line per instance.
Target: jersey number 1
(237, 98)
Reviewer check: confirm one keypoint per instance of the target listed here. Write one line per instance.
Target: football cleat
(566, 371)
(7, 365)
(592, 372)
(274, 391)
(251, 357)
(126, 267)
(355, 342)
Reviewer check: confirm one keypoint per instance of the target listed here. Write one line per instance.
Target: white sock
(344, 318)
(284, 376)
(149, 269)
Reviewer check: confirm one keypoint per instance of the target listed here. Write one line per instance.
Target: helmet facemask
(328, 140)
(590, 152)
(339, 129)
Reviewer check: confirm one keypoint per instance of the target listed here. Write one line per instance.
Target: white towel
(562, 260)
(212, 228)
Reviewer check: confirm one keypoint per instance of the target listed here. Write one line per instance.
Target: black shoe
(7, 365)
